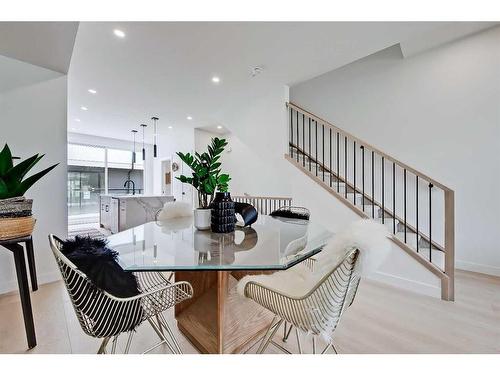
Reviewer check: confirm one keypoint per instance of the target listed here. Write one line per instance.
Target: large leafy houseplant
(206, 175)
(12, 177)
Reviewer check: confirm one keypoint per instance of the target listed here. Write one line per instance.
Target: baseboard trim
(476, 267)
(44, 278)
(407, 284)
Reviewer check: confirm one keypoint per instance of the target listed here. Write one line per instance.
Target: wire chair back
(320, 310)
(99, 313)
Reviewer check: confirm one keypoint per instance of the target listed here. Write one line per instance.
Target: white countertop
(136, 196)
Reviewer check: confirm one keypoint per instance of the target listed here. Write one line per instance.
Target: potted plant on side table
(206, 178)
(16, 218)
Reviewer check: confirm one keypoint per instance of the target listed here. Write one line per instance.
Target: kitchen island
(120, 212)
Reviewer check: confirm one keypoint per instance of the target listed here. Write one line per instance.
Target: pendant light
(155, 148)
(143, 149)
(133, 152)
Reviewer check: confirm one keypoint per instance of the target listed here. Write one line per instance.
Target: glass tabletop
(175, 244)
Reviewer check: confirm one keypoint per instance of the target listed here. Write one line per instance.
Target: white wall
(438, 112)
(258, 142)
(33, 120)
(171, 141)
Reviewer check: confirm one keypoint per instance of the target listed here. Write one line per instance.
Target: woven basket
(15, 207)
(16, 227)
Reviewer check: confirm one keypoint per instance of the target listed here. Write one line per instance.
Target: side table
(15, 246)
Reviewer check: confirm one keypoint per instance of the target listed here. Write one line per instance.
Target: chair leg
(286, 332)
(298, 340)
(102, 348)
(113, 344)
(314, 345)
(165, 324)
(129, 341)
(328, 346)
(266, 333)
(334, 349)
(159, 323)
(161, 335)
(271, 331)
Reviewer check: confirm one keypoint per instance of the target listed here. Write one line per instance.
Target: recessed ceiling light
(92, 91)
(119, 33)
(189, 118)
(219, 127)
(83, 108)
(215, 79)
(170, 127)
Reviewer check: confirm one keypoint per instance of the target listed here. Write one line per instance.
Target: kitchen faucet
(127, 185)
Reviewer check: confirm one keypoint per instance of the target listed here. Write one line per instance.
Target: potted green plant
(206, 178)
(16, 218)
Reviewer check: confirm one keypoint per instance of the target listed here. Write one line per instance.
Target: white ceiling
(45, 44)
(15, 74)
(165, 68)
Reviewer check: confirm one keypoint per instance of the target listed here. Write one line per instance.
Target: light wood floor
(383, 319)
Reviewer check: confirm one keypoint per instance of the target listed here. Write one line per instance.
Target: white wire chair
(318, 312)
(102, 315)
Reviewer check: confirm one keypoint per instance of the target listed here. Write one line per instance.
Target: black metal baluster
(430, 221)
(297, 123)
(373, 188)
(354, 168)
(323, 150)
(363, 176)
(393, 198)
(331, 157)
(303, 141)
(338, 163)
(291, 131)
(309, 153)
(404, 200)
(316, 142)
(345, 170)
(416, 204)
(383, 193)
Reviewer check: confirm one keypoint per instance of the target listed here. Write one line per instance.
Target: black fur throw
(98, 262)
(289, 214)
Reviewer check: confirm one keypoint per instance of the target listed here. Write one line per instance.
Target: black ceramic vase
(223, 215)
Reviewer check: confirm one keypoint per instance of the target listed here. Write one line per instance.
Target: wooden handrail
(372, 200)
(447, 290)
(369, 146)
(448, 248)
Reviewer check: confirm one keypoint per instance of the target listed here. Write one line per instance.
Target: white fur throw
(370, 237)
(173, 210)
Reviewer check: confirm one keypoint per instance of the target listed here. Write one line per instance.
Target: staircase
(418, 211)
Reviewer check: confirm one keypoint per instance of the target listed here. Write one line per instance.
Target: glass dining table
(217, 319)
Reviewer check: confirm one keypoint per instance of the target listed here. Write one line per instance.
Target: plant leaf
(27, 183)
(5, 160)
(20, 170)
(4, 191)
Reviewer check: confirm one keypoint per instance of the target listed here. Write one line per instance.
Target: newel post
(448, 285)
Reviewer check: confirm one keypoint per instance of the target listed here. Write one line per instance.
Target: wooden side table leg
(24, 292)
(31, 264)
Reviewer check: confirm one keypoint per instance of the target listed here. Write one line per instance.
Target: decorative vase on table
(202, 218)
(16, 219)
(223, 213)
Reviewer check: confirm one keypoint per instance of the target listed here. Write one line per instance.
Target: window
(93, 171)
